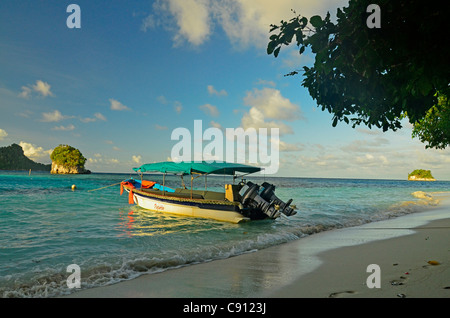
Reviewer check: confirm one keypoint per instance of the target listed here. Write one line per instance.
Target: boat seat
(175, 194)
(200, 194)
(212, 195)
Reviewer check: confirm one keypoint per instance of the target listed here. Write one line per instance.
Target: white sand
(327, 264)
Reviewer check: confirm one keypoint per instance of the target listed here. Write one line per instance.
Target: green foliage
(420, 173)
(434, 128)
(372, 76)
(68, 156)
(13, 158)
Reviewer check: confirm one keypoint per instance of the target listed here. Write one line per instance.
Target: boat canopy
(191, 167)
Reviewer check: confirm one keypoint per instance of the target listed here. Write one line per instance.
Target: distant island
(67, 160)
(421, 175)
(13, 158)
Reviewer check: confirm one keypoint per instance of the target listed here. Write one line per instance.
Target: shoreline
(327, 264)
(416, 265)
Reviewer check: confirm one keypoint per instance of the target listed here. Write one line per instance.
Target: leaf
(277, 50)
(302, 49)
(273, 37)
(316, 21)
(425, 87)
(335, 121)
(271, 46)
(303, 22)
(433, 262)
(299, 36)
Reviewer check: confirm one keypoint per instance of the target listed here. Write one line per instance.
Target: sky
(117, 86)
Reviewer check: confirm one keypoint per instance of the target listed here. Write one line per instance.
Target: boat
(238, 203)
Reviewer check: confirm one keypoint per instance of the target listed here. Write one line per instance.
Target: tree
(13, 158)
(68, 156)
(373, 76)
(421, 173)
(434, 128)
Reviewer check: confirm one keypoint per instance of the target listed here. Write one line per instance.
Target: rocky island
(13, 158)
(67, 160)
(421, 175)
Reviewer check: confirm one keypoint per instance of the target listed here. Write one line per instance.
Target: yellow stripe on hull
(151, 203)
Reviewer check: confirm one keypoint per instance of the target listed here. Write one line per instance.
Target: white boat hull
(187, 209)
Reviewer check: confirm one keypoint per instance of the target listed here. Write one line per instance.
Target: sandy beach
(410, 258)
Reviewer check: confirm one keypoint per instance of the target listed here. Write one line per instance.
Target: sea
(46, 227)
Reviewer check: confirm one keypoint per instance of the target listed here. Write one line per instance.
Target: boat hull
(211, 209)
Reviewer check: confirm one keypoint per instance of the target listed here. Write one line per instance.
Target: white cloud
(265, 83)
(321, 162)
(272, 104)
(3, 134)
(214, 124)
(97, 116)
(287, 147)
(137, 159)
(41, 88)
(191, 17)
(25, 114)
(64, 128)
(53, 116)
(370, 160)
(368, 131)
(210, 110)
(116, 105)
(245, 22)
(25, 93)
(148, 23)
(34, 152)
(159, 127)
(375, 145)
(162, 99)
(213, 91)
(255, 118)
(268, 108)
(178, 107)
(102, 161)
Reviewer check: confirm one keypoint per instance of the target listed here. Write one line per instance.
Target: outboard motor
(252, 200)
(268, 194)
(263, 199)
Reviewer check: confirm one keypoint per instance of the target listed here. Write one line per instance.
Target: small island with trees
(13, 158)
(67, 160)
(421, 175)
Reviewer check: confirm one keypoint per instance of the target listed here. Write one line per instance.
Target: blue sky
(118, 86)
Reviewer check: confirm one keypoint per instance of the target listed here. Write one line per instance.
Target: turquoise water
(45, 226)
